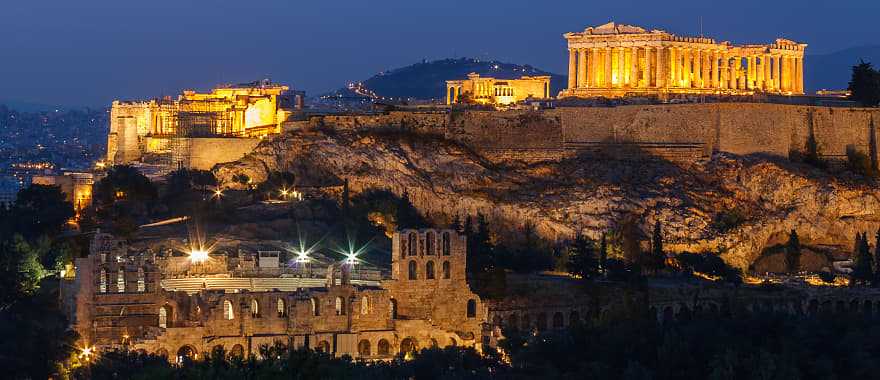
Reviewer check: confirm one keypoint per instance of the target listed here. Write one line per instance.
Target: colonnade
(687, 67)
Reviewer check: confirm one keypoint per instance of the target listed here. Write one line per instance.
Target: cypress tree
(793, 253)
(862, 263)
(456, 223)
(877, 258)
(603, 253)
(582, 258)
(657, 258)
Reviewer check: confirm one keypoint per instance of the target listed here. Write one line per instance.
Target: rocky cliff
(734, 205)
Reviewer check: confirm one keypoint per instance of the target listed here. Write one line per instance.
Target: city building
(484, 90)
(247, 111)
(614, 60)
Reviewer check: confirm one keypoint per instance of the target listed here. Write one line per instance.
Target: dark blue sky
(88, 52)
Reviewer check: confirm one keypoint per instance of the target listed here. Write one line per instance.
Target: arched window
(541, 323)
(413, 243)
(228, 313)
(429, 270)
(526, 322)
(393, 306)
(142, 286)
(383, 347)
(446, 270)
(413, 270)
(340, 306)
(471, 308)
(255, 308)
(575, 317)
(364, 348)
(365, 305)
(103, 286)
(237, 351)
(408, 345)
(316, 307)
(446, 248)
(323, 346)
(120, 281)
(558, 321)
(163, 317)
(513, 322)
(430, 241)
(404, 247)
(281, 308)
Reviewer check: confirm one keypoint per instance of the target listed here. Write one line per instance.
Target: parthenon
(614, 60)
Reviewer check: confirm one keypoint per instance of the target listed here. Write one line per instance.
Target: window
(384, 347)
(393, 308)
(142, 286)
(403, 247)
(340, 306)
(558, 321)
(255, 308)
(413, 243)
(446, 274)
(445, 243)
(103, 286)
(413, 269)
(430, 241)
(429, 270)
(163, 317)
(316, 307)
(237, 351)
(228, 313)
(365, 305)
(323, 346)
(471, 309)
(364, 347)
(281, 308)
(513, 322)
(120, 281)
(541, 323)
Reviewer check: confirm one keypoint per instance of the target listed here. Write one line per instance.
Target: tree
(862, 262)
(124, 183)
(603, 253)
(481, 251)
(656, 259)
(793, 253)
(456, 223)
(876, 258)
(582, 258)
(40, 210)
(864, 85)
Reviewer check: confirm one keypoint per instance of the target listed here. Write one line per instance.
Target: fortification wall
(677, 132)
(206, 152)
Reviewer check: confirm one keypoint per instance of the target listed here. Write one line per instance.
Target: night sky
(89, 52)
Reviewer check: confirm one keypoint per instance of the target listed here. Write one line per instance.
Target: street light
(198, 255)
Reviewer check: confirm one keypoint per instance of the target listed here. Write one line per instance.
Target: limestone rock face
(733, 205)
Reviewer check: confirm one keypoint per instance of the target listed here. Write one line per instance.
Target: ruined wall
(205, 152)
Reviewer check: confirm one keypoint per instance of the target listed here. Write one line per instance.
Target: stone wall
(679, 133)
(204, 152)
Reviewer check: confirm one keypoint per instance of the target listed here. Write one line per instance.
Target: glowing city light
(217, 193)
(86, 353)
(198, 256)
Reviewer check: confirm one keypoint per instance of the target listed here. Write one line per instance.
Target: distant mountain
(833, 71)
(23, 106)
(427, 80)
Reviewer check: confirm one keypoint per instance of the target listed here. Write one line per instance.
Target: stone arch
(281, 308)
(684, 313)
(162, 353)
(558, 320)
(839, 306)
(316, 306)
(446, 270)
(429, 270)
(452, 342)
(186, 353)
(340, 306)
(412, 242)
(433, 343)
(217, 351)
(237, 351)
(471, 308)
(141, 352)
(393, 308)
(165, 316)
(323, 346)
(430, 243)
(668, 314)
(255, 308)
(383, 348)
(854, 306)
(364, 348)
(867, 308)
(408, 345)
(228, 311)
(412, 270)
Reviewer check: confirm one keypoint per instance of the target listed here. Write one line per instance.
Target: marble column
(799, 66)
(593, 67)
(607, 81)
(660, 68)
(634, 67)
(759, 73)
(673, 67)
(716, 72)
(646, 68)
(582, 68)
(750, 72)
(621, 66)
(705, 80)
(572, 69)
(768, 83)
(725, 75)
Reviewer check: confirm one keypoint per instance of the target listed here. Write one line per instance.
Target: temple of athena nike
(615, 60)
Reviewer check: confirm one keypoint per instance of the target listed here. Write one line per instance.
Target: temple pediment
(614, 28)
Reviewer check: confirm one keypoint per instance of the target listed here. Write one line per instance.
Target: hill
(427, 80)
(832, 71)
